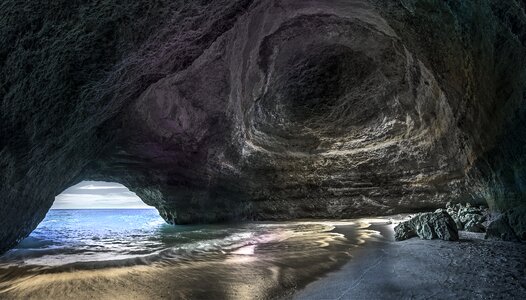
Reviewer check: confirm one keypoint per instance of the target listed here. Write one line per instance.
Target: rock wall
(218, 110)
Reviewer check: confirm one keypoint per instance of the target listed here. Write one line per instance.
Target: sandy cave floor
(472, 268)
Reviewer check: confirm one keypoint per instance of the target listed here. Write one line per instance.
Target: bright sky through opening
(98, 195)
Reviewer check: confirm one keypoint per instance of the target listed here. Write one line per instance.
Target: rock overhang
(287, 109)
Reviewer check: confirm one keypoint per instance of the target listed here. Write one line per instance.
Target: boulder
(435, 225)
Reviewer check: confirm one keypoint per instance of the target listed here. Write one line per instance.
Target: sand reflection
(274, 259)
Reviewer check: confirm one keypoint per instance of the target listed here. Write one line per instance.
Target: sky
(97, 194)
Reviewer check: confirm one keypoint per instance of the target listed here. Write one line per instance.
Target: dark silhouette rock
(428, 226)
(508, 226)
(500, 229)
(404, 231)
(517, 221)
(474, 225)
(254, 109)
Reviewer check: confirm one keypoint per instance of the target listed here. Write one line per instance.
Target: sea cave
(402, 118)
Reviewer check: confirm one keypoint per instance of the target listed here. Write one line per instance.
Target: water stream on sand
(133, 254)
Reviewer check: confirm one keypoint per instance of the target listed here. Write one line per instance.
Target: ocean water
(134, 236)
(83, 254)
(84, 235)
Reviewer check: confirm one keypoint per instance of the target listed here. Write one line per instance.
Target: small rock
(459, 224)
(473, 218)
(473, 226)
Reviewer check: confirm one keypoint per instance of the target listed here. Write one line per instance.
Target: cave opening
(100, 220)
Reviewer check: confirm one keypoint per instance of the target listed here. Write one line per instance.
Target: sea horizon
(106, 208)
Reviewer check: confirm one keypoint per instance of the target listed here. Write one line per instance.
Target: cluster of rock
(467, 217)
(445, 223)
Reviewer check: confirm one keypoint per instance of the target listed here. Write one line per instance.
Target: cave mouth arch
(94, 221)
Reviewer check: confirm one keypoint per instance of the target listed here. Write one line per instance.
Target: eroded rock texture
(428, 226)
(260, 109)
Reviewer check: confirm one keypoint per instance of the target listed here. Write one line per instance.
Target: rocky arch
(219, 110)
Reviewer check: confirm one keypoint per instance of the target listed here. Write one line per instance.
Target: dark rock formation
(509, 226)
(500, 229)
(262, 109)
(468, 218)
(428, 226)
(517, 221)
(404, 231)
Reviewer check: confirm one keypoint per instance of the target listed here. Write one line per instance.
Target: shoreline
(356, 259)
(471, 268)
(271, 270)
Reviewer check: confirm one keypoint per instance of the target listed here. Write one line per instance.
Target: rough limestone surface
(262, 109)
(517, 221)
(404, 231)
(468, 218)
(500, 229)
(510, 225)
(428, 226)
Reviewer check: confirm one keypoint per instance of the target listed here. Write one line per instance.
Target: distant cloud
(97, 194)
(100, 187)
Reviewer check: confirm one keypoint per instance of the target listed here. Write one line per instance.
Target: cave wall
(232, 110)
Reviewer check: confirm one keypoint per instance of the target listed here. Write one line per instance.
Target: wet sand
(356, 259)
(265, 270)
(472, 268)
